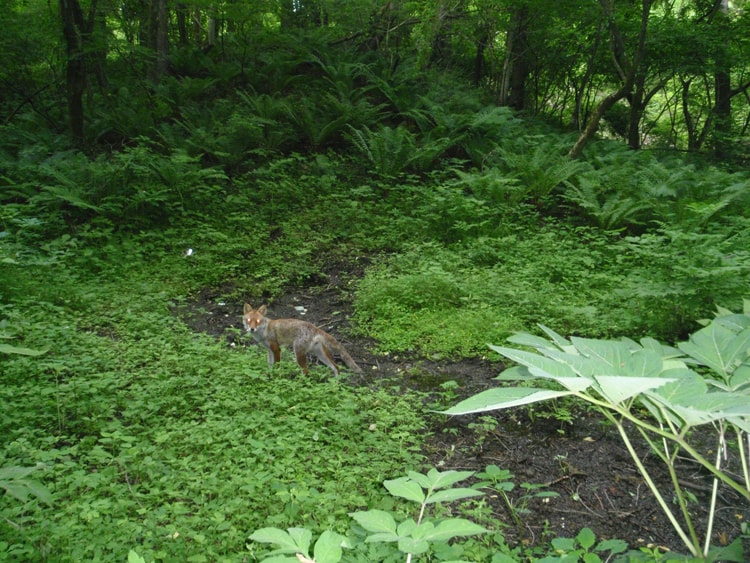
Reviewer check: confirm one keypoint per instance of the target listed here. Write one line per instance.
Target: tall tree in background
(722, 81)
(77, 33)
(573, 61)
(626, 64)
(160, 16)
(516, 65)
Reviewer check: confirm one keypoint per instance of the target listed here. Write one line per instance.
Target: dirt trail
(583, 461)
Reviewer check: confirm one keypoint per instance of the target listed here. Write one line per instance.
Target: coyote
(303, 336)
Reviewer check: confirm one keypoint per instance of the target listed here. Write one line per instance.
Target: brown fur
(304, 338)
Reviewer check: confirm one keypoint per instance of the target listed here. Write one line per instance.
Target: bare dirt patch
(583, 461)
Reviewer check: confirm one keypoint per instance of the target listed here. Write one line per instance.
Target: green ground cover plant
(409, 536)
(150, 436)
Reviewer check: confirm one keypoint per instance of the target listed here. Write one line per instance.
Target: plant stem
(676, 438)
(714, 493)
(668, 459)
(419, 521)
(651, 485)
(513, 514)
(743, 455)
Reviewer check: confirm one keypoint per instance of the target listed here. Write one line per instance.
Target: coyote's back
(304, 338)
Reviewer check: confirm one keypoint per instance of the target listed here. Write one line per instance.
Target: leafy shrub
(616, 377)
(631, 190)
(539, 170)
(426, 535)
(676, 276)
(392, 151)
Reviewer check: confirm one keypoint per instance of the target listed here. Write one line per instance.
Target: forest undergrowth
(122, 429)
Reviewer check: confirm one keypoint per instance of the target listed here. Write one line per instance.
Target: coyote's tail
(348, 360)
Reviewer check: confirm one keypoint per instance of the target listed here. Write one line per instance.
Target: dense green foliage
(620, 378)
(372, 134)
(152, 436)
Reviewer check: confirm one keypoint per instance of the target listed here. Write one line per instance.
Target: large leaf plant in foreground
(660, 392)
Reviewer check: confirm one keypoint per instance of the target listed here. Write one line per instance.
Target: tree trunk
(578, 115)
(592, 126)
(479, 58)
(162, 39)
(722, 87)
(182, 28)
(624, 66)
(516, 66)
(211, 29)
(74, 31)
(637, 107)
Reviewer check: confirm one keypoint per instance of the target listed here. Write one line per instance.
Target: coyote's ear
(247, 309)
(262, 310)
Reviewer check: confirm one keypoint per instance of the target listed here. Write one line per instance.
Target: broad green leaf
(618, 388)
(450, 495)
(275, 536)
(572, 384)
(676, 393)
(655, 408)
(134, 557)
(39, 491)
(613, 353)
(735, 322)
(684, 385)
(375, 520)
(532, 341)
(562, 343)
(503, 398)
(613, 546)
(563, 544)
(381, 537)
(16, 489)
(302, 538)
(738, 350)
(666, 352)
(531, 359)
(718, 347)
(406, 488)
(414, 546)
(644, 363)
(328, 547)
(701, 406)
(743, 423)
(720, 401)
(418, 532)
(740, 378)
(581, 365)
(586, 538)
(515, 373)
(442, 479)
(280, 559)
(420, 478)
(16, 472)
(8, 349)
(407, 527)
(732, 552)
(454, 527)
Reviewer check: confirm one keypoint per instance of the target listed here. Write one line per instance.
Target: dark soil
(583, 461)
